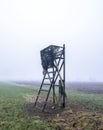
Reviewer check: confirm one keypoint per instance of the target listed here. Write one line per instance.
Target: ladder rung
(44, 90)
(47, 84)
(56, 85)
(52, 84)
(50, 72)
(49, 78)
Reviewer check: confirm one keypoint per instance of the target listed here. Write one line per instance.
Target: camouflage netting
(49, 54)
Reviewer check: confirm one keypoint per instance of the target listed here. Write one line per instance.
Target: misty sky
(27, 26)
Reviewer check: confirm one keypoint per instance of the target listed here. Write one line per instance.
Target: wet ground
(68, 118)
(71, 118)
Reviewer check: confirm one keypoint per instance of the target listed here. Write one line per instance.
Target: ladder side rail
(54, 95)
(39, 90)
(64, 75)
(47, 98)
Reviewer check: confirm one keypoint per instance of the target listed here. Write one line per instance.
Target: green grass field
(14, 115)
(82, 100)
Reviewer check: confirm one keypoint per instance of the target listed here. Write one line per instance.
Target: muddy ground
(71, 118)
(68, 118)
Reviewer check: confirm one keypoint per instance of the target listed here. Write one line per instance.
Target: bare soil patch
(68, 118)
(71, 117)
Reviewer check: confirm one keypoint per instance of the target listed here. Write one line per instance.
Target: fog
(28, 26)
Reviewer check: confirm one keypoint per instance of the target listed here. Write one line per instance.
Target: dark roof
(51, 47)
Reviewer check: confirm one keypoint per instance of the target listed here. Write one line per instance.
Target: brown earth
(68, 118)
(72, 117)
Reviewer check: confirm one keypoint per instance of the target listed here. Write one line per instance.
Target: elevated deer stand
(53, 63)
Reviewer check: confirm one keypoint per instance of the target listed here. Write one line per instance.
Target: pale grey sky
(27, 26)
